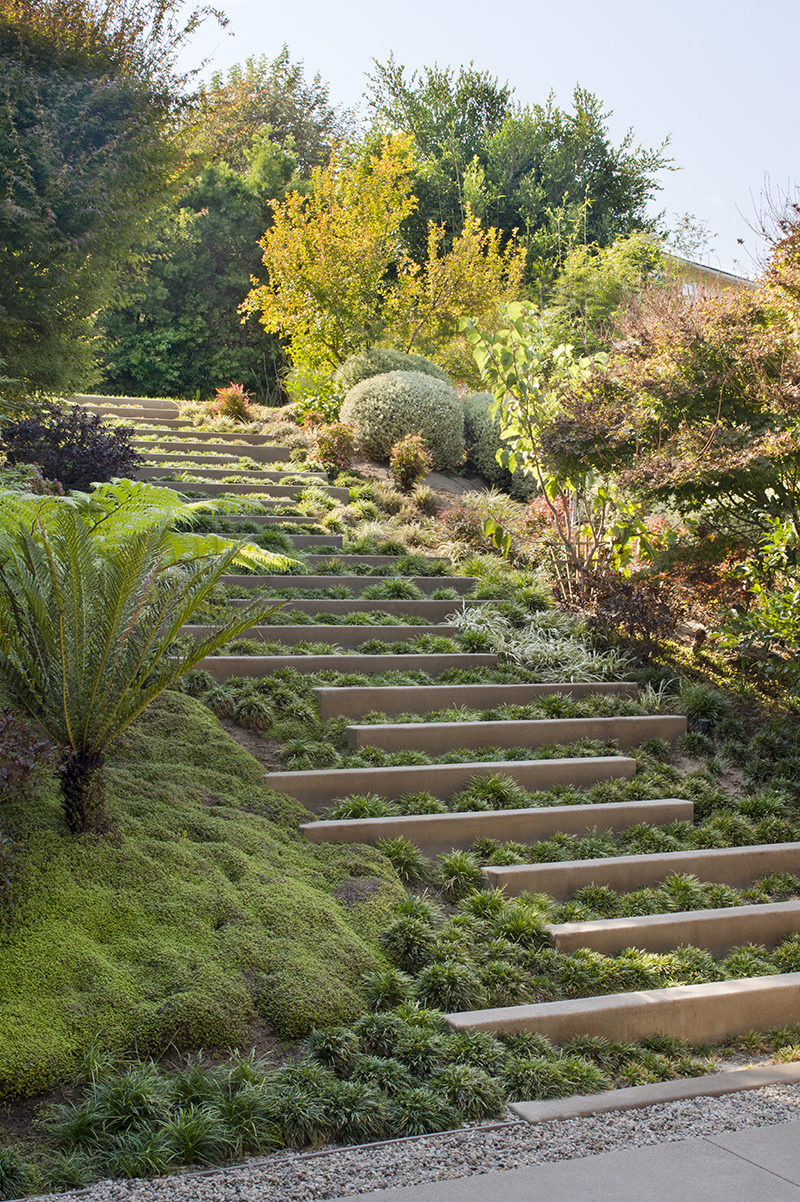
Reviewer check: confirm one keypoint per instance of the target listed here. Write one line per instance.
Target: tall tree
(89, 90)
(554, 174)
(267, 94)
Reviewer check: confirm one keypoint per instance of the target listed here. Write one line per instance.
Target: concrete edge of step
(712, 1085)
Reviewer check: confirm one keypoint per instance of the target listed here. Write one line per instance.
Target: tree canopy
(89, 95)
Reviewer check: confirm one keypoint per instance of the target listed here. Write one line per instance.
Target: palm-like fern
(116, 512)
(87, 627)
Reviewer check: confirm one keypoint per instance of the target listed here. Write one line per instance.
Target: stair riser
(288, 492)
(716, 930)
(695, 1013)
(448, 736)
(316, 540)
(426, 699)
(225, 667)
(318, 789)
(179, 441)
(356, 584)
(347, 605)
(437, 833)
(341, 636)
(152, 473)
(373, 561)
(737, 866)
(167, 408)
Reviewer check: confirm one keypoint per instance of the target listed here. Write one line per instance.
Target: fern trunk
(83, 793)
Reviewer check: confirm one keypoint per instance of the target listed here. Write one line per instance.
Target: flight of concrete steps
(705, 1013)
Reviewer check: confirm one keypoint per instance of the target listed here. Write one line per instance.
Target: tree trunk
(83, 793)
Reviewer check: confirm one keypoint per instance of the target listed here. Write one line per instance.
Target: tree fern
(87, 632)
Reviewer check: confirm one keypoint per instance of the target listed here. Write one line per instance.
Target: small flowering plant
(410, 461)
(232, 402)
(334, 446)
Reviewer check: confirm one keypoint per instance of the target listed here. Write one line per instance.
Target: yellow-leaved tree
(329, 255)
(425, 307)
(340, 277)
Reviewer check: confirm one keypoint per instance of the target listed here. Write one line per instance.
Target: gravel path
(296, 1177)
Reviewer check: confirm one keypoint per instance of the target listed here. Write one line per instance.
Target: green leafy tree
(271, 95)
(88, 99)
(553, 174)
(177, 331)
(587, 524)
(93, 596)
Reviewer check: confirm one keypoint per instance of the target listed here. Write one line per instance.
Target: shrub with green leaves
(334, 446)
(381, 359)
(410, 461)
(385, 408)
(482, 435)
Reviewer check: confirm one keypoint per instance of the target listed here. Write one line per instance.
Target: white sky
(719, 76)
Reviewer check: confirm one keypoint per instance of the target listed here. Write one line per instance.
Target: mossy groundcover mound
(204, 917)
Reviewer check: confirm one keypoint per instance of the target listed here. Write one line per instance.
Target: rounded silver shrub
(383, 409)
(482, 434)
(380, 359)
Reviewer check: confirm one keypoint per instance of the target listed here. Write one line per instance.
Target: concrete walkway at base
(734, 1166)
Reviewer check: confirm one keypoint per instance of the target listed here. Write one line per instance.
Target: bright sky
(718, 76)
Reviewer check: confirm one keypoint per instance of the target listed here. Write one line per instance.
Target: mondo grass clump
(497, 952)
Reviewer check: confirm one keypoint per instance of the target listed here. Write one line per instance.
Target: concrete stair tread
(712, 1085)
(708, 1013)
(356, 701)
(262, 488)
(435, 833)
(207, 473)
(627, 731)
(422, 608)
(715, 930)
(223, 667)
(736, 866)
(426, 584)
(344, 635)
(317, 787)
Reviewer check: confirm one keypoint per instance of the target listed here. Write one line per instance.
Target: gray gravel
(295, 1177)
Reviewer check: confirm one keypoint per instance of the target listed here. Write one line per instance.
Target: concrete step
(708, 1013)
(168, 408)
(341, 636)
(537, 732)
(224, 667)
(269, 519)
(427, 608)
(436, 833)
(372, 561)
(223, 473)
(634, 1097)
(426, 699)
(356, 584)
(141, 420)
(286, 491)
(179, 442)
(316, 540)
(738, 866)
(716, 930)
(317, 788)
(136, 415)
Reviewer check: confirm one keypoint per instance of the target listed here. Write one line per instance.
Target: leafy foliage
(87, 634)
(410, 461)
(380, 359)
(550, 172)
(89, 96)
(72, 446)
(383, 409)
(334, 446)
